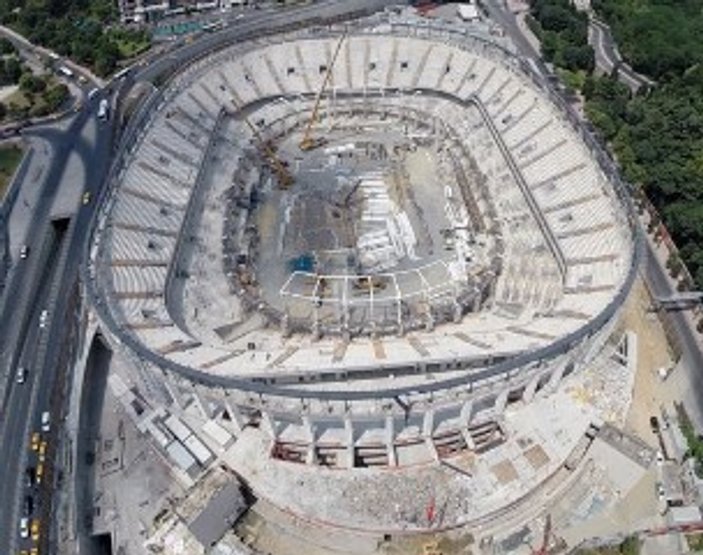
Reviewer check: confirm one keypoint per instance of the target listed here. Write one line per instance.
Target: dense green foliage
(79, 29)
(563, 32)
(658, 135)
(660, 38)
(695, 443)
(10, 157)
(10, 71)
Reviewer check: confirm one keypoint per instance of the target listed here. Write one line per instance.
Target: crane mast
(308, 142)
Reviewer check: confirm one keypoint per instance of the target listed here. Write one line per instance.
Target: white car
(21, 374)
(93, 92)
(45, 421)
(24, 527)
(43, 318)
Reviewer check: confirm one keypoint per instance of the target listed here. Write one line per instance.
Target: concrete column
(390, 437)
(349, 431)
(529, 392)
(174, 393)
(268, 424)
(236, 419)
(466, 412)
(556, 376)
(501, 401)
(428, 423)
(309, 428)
(202, 403)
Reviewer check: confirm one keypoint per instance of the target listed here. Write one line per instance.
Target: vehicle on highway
(24, 527)
(86, 197)
(39, 473)
(21, 375)
(103, 109)
(42, 451)
(93, 92)
(63, 70)
(30, 477)
(24, 251)
(28, 505)
(45, 421)
(34, 529)
(36, 438)
(43, 318)
(122, 73)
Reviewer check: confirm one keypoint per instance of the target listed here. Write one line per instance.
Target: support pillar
(465, 419)
(236, 419)
(174, 393)
(268, 424)
(556, 376)
(501, 401)
(202, 403)
(390, 444)
(529, 392)
(349, 447)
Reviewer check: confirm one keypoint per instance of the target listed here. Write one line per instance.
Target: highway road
(43, 280)
(691, 361)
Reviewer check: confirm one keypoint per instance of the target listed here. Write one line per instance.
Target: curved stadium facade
(455, 243)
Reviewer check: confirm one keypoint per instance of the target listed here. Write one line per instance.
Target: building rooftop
(221, 512)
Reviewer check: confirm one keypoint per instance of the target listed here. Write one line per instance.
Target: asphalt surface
(608, 57)
(42, 281)
(691, 360)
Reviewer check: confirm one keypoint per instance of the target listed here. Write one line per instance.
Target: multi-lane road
(41, 282)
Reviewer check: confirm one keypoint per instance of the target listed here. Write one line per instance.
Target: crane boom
(307, 142)
(285, 180)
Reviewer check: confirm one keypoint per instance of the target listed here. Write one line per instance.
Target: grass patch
(129, 48)
(10, 157)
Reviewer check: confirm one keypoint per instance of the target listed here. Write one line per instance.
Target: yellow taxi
(42, 451)
(34, 529)
(35, 441)
(39, 473)
(34, 551)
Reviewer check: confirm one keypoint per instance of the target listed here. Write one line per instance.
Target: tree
(55, 96)
(31, 83)
(13, 69)
(6, 47)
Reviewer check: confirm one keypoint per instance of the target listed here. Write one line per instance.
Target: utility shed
(221, 513)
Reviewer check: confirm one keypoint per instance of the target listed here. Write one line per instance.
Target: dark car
(30, 476)
(28, 505)
(654, 424)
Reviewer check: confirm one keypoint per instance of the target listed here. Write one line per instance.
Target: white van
(103, 109)
(45, 421)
